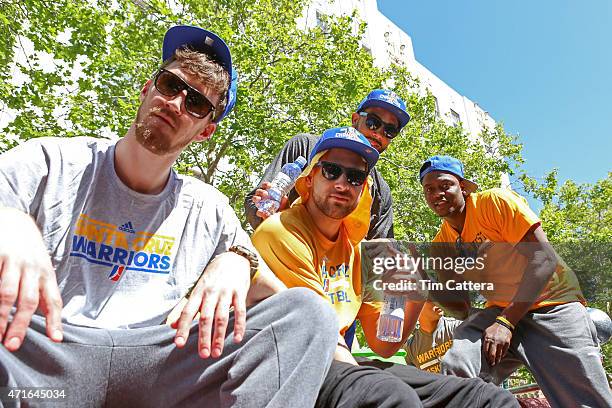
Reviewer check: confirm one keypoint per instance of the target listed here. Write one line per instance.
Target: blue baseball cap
(208, 43)
(346, 138)
(387, 100)
(446, 164)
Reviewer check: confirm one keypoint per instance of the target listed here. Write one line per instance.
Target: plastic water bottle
(282, 183)
(391, 319)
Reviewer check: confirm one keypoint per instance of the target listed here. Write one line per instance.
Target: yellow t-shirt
(300, 256)
(501, 216)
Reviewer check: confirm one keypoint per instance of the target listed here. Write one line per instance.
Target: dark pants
(385, 385)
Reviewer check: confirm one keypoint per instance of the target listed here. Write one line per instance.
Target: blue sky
(542, 67)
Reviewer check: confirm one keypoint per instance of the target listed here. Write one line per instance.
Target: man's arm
(27, 277)
(27, 280)
(381, 224)
(299, 145)
(542, 263)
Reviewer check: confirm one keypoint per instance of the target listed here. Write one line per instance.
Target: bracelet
(504, 322)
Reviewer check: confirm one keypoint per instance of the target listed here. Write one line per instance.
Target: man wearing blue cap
(535, 312)
(106, 239)
(315, 244)
(380, 117)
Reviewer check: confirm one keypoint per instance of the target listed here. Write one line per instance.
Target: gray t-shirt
(425, 350)
(123, 259)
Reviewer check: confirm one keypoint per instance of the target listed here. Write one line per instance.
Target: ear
(463, 191)
(354, 119)
(145, 90)
(206, 133)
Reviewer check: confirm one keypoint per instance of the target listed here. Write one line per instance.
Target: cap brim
(470, 186)
(368, 153)
(200, 40)
(402, 117)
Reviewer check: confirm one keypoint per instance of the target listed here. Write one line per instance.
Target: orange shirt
(503, 217)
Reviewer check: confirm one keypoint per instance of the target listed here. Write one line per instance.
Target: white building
(388, 43)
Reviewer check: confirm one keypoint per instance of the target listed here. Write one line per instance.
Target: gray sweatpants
(286, 352)
(557, 343)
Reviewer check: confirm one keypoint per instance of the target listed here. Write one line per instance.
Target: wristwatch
(249, 255)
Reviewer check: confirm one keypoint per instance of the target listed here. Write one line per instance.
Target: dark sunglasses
(374, 123)
(332, 171)
(196, 104)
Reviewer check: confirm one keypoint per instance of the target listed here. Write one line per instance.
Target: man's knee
(458, 361)
(492, 395)
(313, 313)
(390, 391)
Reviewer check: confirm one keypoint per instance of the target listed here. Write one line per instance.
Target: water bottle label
(282, 182)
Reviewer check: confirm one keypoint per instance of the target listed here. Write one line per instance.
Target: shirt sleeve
(23, 176)
(299, 145)
(509, 213)
(381, 220)
(287, 255)
(232, 232)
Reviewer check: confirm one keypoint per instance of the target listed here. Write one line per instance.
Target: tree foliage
(86, 62)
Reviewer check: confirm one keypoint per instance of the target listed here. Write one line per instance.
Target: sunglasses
(374, 123)
(196, 104)
(333, 171)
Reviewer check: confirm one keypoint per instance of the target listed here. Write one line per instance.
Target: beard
(336, 211)
(151, 138)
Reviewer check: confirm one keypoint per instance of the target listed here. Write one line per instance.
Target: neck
(329, 227)
(138, 168)
(457, 219)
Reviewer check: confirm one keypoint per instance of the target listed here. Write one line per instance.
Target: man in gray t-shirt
(431, 340)
(105, 239)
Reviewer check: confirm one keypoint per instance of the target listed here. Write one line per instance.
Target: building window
(455, 118)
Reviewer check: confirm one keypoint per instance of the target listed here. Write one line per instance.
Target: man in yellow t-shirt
(535, 312)
(315, 244)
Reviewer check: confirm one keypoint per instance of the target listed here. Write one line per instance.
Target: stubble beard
(154, 141)
(336, 212)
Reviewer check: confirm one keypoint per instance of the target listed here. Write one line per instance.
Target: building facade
(388, 44)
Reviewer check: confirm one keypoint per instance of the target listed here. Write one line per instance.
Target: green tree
(291, 80)
(577, 219)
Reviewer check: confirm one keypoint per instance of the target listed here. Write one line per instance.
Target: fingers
(499, 353)
(239, 317)
(284, 203)
(27, 302)
(9, 289)
(220, 324)
(205, 325)
(183, 325)
(492, 352)
(51, 305)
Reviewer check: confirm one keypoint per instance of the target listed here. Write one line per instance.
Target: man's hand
(224, 283)
(262, 193)
(27, 280)
(495, 343)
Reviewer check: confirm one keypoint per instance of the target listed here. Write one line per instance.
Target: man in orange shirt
(535, 312)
